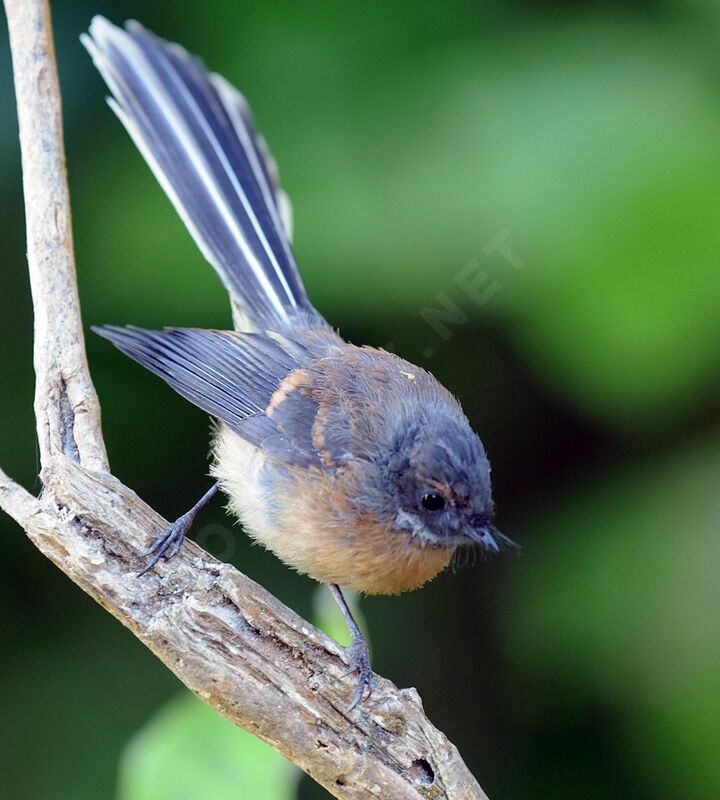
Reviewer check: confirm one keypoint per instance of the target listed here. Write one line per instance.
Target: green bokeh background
(408, 136)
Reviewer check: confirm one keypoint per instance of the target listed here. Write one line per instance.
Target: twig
(231, 642)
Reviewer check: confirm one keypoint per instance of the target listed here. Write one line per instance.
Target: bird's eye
(432, 502)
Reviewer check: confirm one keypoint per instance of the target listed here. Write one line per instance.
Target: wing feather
(234, 377)
(230, 375)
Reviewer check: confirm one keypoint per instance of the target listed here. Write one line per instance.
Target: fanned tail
(196, 134)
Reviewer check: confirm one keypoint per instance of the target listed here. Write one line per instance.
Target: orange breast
(321, 534)
(309, 522)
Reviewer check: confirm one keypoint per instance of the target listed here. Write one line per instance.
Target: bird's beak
(491, 539)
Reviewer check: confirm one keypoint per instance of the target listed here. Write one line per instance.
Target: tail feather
(196, 133)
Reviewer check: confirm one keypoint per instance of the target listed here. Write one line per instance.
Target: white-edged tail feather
(196, 133)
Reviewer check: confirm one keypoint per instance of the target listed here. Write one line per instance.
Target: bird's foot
(360, 663)
(168, 544)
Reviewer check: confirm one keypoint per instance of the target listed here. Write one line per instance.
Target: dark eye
(432, 502)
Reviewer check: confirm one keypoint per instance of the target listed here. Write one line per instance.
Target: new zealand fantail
(349, 463)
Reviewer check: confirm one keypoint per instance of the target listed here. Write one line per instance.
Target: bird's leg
(172, 537)
(358, 651)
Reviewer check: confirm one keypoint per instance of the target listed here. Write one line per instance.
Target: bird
(352, 465)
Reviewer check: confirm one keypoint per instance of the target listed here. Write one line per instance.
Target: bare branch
(231, 642)
(16, 501)
(66, 406)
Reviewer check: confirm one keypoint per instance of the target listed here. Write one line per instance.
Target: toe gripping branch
(358, 652)
(168, 544)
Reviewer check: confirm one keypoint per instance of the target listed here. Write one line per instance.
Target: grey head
(441, 478)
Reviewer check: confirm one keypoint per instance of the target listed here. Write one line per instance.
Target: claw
(172, 537)
(360, 663)
(157, 543)
(358, 652)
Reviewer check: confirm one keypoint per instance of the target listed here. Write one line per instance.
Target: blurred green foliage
(409, 136)
(189, 751)
(618, 612)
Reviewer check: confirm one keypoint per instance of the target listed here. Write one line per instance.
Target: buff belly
(299, 515)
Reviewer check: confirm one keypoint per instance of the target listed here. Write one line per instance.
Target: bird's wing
(230, 375)
(248, 381)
